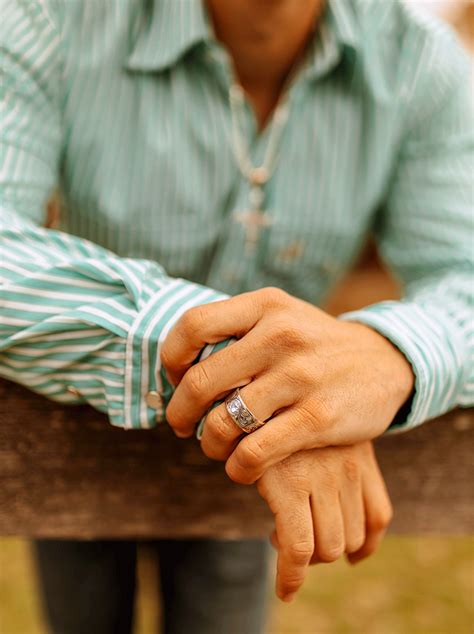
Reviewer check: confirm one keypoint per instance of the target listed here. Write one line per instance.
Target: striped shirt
(123, 106)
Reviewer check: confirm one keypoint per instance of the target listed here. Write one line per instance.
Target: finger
(263, 397)
(213, 378)
(371, 544)
(328, 523)
(295, 538)
(352, 506)
(378, 511)
(208, 323)
(283, 435)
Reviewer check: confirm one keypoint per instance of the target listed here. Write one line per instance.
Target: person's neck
(266, 39)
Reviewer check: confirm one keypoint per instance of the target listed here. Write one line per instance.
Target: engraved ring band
(240, 413)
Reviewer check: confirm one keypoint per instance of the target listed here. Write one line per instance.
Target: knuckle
(192, 319)
(216, 442)
(303, 376)
(171, 417)
(325, 416)
(300, 552)
(380, 519)
(351, 469)
(300, 484)
(251, 455)
(287, 335)
(212, 452)
(318, 411)
(328, 482)
(305, 424)
(197, 381)
(273, 296)
(218, 424)
(174, 414)
(234, 472)
(331, 552)
(166, 355)
(237, 473)
(355, 542)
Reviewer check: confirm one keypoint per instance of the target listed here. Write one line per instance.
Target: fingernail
(288, 598)
(180, 434)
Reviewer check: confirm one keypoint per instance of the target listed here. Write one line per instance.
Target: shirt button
(73, 390)
(155, 401)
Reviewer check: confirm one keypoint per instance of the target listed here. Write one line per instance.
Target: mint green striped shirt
(123, 105)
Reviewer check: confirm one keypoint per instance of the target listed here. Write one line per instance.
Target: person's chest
(149, 171)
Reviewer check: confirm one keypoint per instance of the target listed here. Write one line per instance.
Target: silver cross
(254, 219)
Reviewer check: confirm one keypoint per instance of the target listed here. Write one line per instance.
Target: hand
(320, 380)
(326, 502)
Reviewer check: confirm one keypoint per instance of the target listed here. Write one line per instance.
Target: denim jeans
(207, 586)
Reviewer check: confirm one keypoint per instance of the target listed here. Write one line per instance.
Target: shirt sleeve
(425, 233)
(77, 323)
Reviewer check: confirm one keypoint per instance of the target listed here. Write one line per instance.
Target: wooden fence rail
(65, 472)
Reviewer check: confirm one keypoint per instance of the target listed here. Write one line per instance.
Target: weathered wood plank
(65, 472)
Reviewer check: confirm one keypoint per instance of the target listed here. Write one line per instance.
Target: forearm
(79, 324)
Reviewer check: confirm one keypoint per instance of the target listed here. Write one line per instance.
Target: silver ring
(240, 413)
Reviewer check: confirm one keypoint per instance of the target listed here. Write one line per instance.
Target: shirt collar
(341, 18)
(335, 39)
(167, 30)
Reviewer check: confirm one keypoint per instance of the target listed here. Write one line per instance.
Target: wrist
(395, 364)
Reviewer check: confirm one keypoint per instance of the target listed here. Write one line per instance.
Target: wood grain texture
(65, 472)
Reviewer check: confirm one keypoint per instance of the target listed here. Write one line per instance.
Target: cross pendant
(252, 221)
(255, 218)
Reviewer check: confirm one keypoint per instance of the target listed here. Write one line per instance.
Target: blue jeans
(207, 586)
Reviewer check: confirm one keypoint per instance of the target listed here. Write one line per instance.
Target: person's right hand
(326, 502)
(317, 381)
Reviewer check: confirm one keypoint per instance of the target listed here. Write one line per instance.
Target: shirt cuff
(429, 342)
(143, 371)
(121, 373)
(98, 379)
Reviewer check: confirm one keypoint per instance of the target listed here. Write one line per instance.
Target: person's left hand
(326, 502)
(320, 381)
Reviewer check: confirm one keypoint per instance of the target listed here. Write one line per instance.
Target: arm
(77, 323)
(425, 233)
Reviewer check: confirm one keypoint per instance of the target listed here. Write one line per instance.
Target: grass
(419, 585)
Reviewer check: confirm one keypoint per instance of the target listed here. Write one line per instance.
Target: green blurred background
(422, 585)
